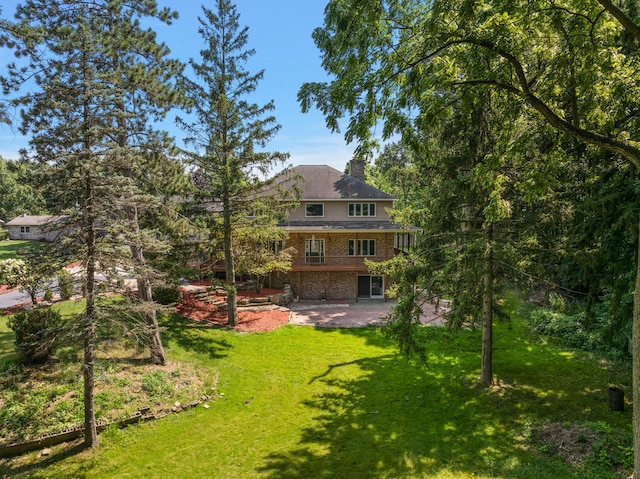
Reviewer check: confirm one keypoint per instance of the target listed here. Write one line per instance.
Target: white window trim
(308, 250)
(313, 216)
(357, 247)
(375, 206)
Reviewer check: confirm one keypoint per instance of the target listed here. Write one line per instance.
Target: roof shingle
(322, 182)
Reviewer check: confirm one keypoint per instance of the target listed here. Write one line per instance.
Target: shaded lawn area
(300, 402)
(10, 248)
(7, 340)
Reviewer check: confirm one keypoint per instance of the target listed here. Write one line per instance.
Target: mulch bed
(266, 318)
(13, 309)
(251, 320)
(5, 289)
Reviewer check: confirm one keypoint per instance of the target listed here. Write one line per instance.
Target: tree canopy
(397, 67)
(101, 79)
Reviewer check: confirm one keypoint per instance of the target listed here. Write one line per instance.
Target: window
(363, 247)
(25, 229)
(362, 209)
(404, 241)
(314, 209)
(276, 247)
(314, 251)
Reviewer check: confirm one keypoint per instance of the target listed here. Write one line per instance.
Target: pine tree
(227, 131)
(101, 79)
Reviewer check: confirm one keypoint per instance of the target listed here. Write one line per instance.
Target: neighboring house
(340, 221)
(35, 228)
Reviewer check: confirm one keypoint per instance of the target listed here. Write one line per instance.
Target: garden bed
(258, 318)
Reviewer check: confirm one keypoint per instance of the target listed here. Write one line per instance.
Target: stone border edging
(142, 415)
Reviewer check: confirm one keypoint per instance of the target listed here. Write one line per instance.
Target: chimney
(356, 168)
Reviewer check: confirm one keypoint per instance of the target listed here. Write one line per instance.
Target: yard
(300, 402)
(10, 248)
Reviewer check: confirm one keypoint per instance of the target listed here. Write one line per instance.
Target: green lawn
(305, 403)
(9, 249)
(6, 341)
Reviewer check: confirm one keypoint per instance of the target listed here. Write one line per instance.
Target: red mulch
(13, 309)
(261, 320)
(4, 288)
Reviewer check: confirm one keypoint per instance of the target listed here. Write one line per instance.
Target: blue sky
(280, 32)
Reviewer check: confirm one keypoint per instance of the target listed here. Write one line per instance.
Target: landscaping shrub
(167, 294)
(156, 384)
(48, 294)
(37, 334)
(577, 326)
(65, 282)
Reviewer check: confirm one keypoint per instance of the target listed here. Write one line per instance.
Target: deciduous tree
(261, 250)
(573, 62)
(31, 273)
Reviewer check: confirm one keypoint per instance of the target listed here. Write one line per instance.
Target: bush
(65, 282)
(48, 294)
(37, 334)
(156, 384)
(167, 294)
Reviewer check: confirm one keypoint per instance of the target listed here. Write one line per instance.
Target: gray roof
(371, 226)
(322, 182)
(29, 220)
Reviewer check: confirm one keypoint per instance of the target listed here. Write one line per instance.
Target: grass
(6, 341)
(10, 248)
(299, 402)
(46, 399)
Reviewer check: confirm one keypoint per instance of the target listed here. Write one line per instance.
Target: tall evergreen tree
(228, 132)
(102, 79)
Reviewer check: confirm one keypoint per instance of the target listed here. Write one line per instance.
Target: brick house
(341, 220)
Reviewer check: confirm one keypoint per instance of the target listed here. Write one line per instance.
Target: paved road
(13, 298)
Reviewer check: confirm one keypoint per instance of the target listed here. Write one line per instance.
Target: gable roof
(34, 220)
(322, 182)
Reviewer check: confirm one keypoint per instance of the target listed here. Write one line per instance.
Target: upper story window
(314, 209)
(363, 247)
(362, 209)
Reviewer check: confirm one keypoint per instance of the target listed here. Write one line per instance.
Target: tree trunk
(486, 374)
(232, 306)
(33, 294)
(636, 367)
(152, 329)
(90, 425)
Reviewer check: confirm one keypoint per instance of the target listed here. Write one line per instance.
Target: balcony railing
(302, 261)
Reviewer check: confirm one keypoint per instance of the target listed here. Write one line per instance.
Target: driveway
(350, 315)
(13, 297)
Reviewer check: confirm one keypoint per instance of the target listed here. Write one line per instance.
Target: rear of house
(340, 222)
